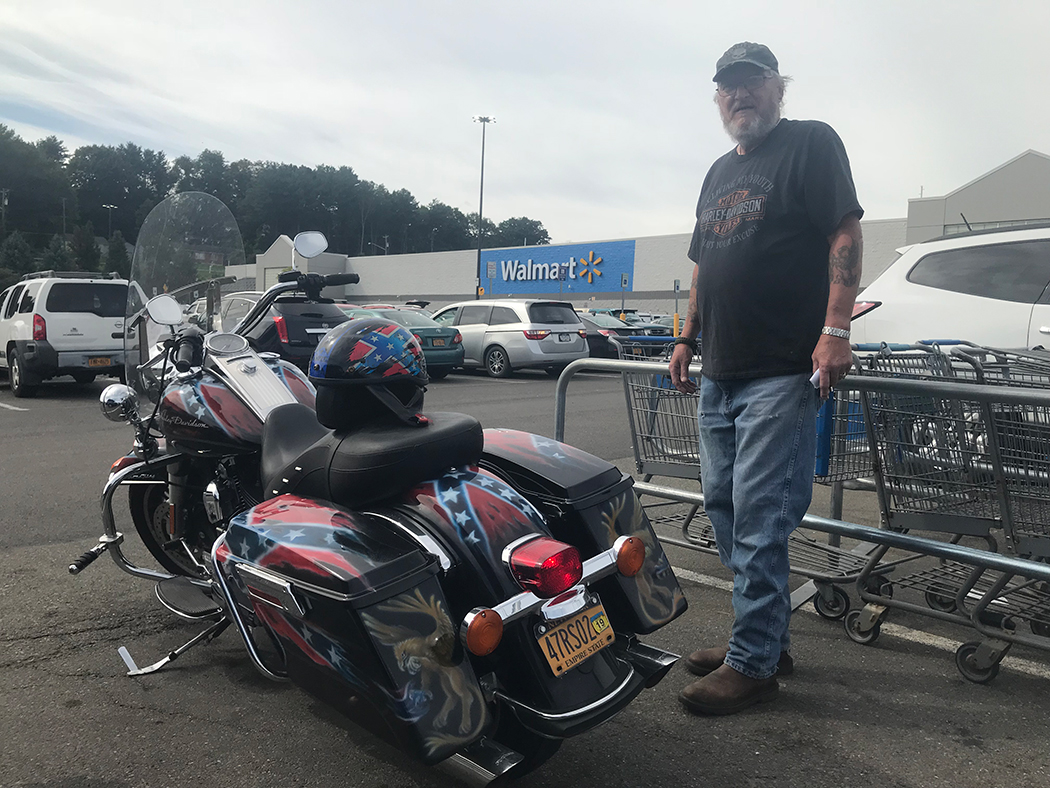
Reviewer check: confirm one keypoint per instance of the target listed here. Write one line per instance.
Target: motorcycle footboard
(362, 620)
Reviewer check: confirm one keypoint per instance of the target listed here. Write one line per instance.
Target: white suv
(988, 287)
(59, 323)
(505, 334)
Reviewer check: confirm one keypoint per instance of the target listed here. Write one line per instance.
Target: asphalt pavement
(895, 713)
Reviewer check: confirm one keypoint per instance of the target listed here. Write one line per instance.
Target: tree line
(53, 204)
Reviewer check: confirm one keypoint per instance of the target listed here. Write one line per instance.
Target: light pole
(110, 207)
(484, 120)
(433, 231)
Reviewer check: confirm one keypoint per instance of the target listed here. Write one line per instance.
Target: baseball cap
(746, 52)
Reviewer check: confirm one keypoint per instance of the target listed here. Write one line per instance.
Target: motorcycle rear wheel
(149, 512)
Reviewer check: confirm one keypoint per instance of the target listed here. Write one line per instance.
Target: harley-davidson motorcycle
(472, 596)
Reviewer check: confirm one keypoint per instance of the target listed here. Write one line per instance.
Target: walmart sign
(580, 269)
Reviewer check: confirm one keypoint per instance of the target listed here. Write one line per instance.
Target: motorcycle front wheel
(149, 512)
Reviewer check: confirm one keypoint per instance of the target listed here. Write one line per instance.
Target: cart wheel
(836, 608)
(964, 662)
(878, 585)
(852, 624)
(939, 602)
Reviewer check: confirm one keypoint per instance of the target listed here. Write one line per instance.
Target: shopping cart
(666, 442)
(969, 466)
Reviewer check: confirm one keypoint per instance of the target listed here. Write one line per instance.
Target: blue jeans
(757, 450)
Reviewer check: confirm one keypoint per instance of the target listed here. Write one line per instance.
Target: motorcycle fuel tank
(204, 415)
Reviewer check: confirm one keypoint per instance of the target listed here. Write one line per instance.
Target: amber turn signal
(484, 632)
(630, 556)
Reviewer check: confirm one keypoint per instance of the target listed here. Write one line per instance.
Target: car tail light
(863, 307)
(582, 332)
(39, 329)
(630, 556)
(457, 339)
(282, 329)
(546, 567)
(537, 334)
(484, 630)
(605, 332)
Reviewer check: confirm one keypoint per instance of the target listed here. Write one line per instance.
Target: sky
(605, 120)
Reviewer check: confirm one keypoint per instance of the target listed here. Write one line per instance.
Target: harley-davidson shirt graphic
(761, 246)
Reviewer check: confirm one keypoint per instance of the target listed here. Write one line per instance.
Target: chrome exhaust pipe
(480, 763)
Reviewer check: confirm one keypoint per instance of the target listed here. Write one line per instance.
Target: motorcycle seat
(370, 463)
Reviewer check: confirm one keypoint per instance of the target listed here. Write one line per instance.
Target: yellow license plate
(439, 342)
(576, 639)
(98, 361)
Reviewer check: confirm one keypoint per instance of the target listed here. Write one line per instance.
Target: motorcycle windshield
(183, 250)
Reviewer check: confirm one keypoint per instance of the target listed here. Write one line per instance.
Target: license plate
(439, 342)
(576, 639)
(98, 361)
(564, 338)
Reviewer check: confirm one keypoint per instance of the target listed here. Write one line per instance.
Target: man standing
(777, 247)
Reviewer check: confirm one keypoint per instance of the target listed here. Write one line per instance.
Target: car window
(3, 297)
(13, 301)
(447, 317)
(1009, 272)
(473, 315)
(238, 308)
(607, 321)
(104, 300)
(502, 315)
(557, 314)
(28, 301)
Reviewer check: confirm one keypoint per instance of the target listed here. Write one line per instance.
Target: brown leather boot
(706, 660)
(724, 691)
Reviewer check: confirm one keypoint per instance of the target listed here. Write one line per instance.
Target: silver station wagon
(505, 334)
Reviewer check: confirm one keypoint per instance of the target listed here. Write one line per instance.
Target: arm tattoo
(845, 264)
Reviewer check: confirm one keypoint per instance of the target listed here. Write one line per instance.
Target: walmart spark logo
(589, 268)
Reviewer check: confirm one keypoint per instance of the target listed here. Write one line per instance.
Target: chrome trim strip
(271, 583)
(299, 584)
(421, 538)
(568, 715)
(510, 548)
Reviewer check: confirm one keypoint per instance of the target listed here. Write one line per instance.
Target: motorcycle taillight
(546, 567)
(39, 329)
(282, 329)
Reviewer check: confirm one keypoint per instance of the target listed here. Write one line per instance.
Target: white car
(987, 287)
(62, 323)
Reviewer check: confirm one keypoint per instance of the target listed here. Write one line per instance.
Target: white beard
(748, 133)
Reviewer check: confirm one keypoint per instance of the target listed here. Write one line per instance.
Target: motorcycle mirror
(118, 402)
(310, 244)
(164, 310)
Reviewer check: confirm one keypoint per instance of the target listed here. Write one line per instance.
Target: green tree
(520, 231)
(53, 149)
(57, 256)
(86, 254)
(8, 278)
(35, 186)
(15, 254)
(117, 255)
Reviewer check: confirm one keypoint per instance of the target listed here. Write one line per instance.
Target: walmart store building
(643, 271)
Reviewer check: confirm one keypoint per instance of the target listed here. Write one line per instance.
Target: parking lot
(896, 713)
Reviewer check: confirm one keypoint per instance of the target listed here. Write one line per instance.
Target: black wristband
(687, 341)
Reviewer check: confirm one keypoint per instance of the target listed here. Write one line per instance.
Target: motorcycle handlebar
(186, 351)
(342, 279)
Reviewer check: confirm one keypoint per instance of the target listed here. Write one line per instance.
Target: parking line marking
(893, 630)
(12, 407)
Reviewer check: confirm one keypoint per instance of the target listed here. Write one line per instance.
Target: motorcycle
(472, 596)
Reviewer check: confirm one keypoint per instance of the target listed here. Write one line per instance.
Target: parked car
(418, 306)
(991, 287)
(62, 323)
(442, 346)
(234, 306)
(600, 328)
(504, 334)
(293, 327)
(640, 321)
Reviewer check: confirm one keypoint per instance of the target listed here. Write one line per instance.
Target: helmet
(366, 370)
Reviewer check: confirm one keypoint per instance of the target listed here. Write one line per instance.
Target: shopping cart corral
(666, 442)
(961, 449)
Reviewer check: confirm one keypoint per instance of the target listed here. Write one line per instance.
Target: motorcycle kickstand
(206, 636)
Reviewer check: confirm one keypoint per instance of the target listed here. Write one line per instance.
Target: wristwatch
(831, 331)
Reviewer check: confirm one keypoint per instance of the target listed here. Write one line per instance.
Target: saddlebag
(361, 619)
(589, 503)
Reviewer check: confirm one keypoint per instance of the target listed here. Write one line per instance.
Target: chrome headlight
(119, 402)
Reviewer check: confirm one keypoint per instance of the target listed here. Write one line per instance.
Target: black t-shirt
(761, 247)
